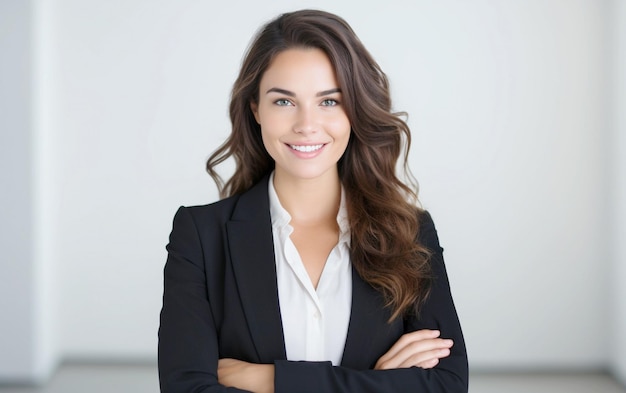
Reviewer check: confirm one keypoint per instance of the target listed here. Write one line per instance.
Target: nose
(305, 121)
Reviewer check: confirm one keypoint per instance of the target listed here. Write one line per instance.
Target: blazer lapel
(251, 247)
(369, 333)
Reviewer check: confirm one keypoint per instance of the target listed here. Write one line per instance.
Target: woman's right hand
(422, 348)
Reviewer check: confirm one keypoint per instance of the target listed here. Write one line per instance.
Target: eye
(283, 102)
(330, 102)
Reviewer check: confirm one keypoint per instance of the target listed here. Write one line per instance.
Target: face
(304, 126)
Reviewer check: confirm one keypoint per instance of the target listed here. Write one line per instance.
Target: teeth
(307, 148)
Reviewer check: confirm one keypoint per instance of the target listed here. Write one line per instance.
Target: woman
(317, 272)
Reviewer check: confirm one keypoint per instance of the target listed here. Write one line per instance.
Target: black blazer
(221, 301)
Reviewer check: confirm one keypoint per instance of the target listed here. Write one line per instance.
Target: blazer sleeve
(188, 345)
(438, 312)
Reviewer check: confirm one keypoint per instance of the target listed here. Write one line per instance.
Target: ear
(254, 107)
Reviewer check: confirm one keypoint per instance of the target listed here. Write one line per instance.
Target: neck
(309, 201)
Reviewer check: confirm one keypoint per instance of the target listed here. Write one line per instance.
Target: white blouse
(315, 322)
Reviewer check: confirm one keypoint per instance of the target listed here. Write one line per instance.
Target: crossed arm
(422, 348)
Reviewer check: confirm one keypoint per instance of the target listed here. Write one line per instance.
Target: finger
(408, 338)
(406, 360)
(414, 353)
(429, 363)
(427, 357)
(415, 348)
(393, 359)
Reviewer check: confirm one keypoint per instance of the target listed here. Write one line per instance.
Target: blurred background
(108, 111)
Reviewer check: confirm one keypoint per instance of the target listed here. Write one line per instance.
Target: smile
(306, 148)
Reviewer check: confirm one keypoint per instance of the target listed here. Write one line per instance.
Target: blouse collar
(281, 218)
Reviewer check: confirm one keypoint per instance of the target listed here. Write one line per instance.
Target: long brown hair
(382, 210)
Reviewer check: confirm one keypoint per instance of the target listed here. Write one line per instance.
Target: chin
(311, 173)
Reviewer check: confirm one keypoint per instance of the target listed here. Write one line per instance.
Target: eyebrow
(292, 94)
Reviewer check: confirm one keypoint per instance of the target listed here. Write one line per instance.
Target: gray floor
(544, 383)
(142, 379)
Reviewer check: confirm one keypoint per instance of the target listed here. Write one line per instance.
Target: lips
(306, 148)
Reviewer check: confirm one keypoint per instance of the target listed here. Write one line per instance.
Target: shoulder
(216, 211)
(427, 234)
(193, 225)
(247, 205)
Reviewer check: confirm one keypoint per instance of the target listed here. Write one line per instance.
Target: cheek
(269, 141)
(273, 123)
(270, 136)
(342, 128)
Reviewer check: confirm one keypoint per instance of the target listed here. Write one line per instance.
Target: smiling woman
(317, 272)
(304, 127)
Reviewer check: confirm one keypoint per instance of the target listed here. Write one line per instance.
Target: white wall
(619, 187)
(508, 107)
(45, 278)
(16, 236)
(27, 342)
(507, 103)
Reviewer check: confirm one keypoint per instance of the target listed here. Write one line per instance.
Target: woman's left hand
(257, 378)
(422, 348)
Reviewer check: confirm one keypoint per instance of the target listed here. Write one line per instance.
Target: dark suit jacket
(221, 301)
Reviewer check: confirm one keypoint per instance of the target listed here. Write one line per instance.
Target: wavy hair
(382, 209)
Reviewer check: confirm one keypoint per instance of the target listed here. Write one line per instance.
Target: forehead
(302, 68)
